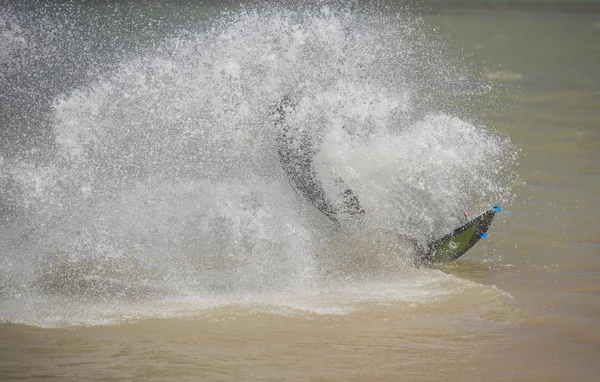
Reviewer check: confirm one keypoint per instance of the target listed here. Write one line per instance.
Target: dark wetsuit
(296, 151)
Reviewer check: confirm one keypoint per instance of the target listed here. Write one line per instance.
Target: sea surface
(149, 232)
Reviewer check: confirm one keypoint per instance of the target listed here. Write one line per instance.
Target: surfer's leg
(421, 255)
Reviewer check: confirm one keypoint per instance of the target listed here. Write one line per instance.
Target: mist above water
(159, 174)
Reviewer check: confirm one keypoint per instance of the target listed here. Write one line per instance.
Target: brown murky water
(524, 305)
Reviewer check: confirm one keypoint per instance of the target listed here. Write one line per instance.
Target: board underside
(456, 243)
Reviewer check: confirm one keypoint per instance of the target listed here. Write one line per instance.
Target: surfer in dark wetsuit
(296, 152)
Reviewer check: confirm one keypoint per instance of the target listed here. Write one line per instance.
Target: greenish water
(523, 304)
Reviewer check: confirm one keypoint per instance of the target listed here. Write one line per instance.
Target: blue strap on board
(485, 235)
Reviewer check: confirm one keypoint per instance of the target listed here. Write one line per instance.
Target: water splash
(163, 178)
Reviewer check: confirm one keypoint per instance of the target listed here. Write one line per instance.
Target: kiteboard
(456, 243)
